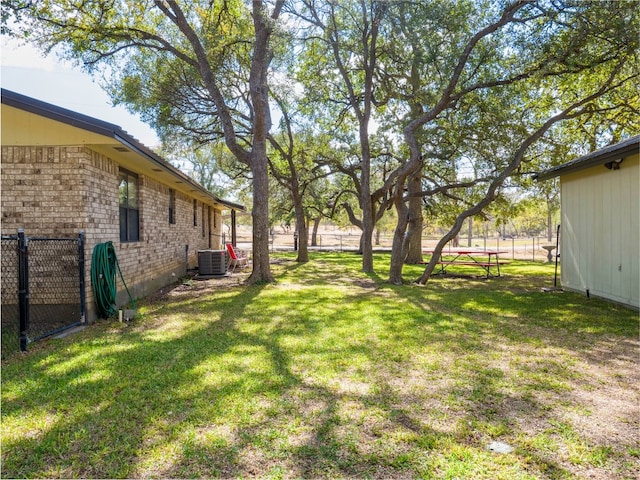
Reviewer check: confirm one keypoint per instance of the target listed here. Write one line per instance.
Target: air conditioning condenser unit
(212, 262)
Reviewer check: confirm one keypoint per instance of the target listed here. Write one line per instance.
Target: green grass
(333, 373)
(10, 333)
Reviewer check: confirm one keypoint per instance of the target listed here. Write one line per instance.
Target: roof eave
(599, 157)
(59, 114)
(106, 129)
(143, 151)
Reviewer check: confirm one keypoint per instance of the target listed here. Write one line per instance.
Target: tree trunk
(365, 201)
(303, 232)
(399, 246)
(437, 251)
(414, 232)
(260, 214)
(314, 234)
(259, 92)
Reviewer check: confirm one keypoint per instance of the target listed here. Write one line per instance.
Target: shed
(64, 172)
(600, 222)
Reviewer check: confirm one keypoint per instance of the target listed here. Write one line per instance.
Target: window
(172, 206)
(129, 210)
(203, 223)
(195, 213)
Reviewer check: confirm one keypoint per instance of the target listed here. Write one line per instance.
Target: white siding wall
(600, 249)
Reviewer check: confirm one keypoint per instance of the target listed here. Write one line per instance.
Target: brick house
(64, 172)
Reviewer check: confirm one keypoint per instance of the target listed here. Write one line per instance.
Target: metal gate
(43, 291)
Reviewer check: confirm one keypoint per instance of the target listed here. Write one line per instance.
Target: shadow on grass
(329, 373)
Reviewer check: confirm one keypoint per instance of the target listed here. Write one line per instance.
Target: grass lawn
(335, 373)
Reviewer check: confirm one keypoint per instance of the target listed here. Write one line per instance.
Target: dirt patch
(193, 286)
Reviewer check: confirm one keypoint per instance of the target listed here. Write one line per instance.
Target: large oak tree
(502, 77)
(455, 86)
(198, 63)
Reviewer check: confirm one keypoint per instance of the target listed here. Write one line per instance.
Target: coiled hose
(103, 279)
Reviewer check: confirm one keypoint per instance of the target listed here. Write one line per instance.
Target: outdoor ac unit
(212, 262)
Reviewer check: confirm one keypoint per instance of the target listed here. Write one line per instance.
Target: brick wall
(40, 190)
(58, 191)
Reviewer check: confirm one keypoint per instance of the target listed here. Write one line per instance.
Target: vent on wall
(212, 262)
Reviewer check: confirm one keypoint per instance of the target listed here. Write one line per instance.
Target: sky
(24, 70)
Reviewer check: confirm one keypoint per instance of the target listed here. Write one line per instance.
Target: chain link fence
(43, 290)
(516, 248)
(9, 314)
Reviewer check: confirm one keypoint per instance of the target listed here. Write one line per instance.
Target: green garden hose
(103, 279)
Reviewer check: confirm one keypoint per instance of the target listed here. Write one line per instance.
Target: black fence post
(83, 306)
(23, 288)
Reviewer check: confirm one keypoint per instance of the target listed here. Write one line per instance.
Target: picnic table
(487, 260)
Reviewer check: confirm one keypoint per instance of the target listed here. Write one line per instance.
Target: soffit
(23, 128)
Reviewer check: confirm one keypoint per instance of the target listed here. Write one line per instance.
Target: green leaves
(455, 88)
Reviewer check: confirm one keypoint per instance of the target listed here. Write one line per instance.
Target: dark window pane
(123, 224)
(195, 213)
(172, 206)
(128, 200)
(134, 227)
